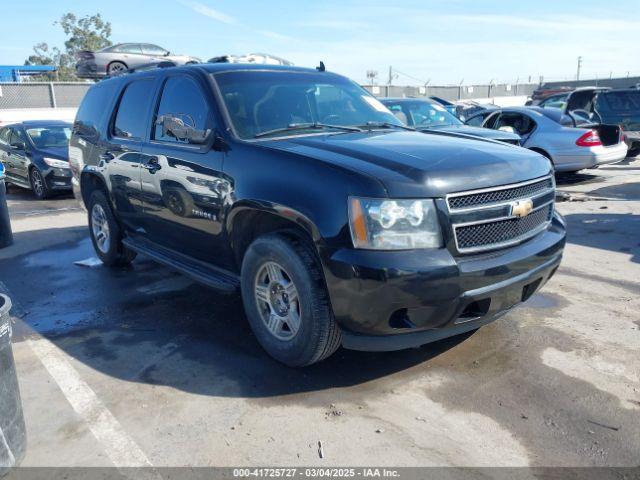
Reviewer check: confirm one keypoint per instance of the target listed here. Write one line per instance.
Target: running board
(199, 271)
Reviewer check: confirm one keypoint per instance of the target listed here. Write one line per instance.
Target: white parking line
(121, 449)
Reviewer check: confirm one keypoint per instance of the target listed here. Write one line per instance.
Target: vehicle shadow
(616, 232)
(149, 325)
(23, 194)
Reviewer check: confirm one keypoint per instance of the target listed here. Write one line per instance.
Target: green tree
(86, 33)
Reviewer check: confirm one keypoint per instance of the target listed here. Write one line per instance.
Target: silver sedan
(118, 58)
(568, 141)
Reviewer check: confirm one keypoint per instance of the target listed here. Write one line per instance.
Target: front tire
(105, 232)
(38, 184)
(286, 301)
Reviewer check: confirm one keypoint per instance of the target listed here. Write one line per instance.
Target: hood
(477, 132)
(60, 153)
(412, 164)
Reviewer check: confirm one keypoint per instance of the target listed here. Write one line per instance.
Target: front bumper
(396, 300)
(58, 179)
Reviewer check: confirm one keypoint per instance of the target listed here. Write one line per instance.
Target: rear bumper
(396, 300)
(590, 158)
(89, 69)
(632, 139)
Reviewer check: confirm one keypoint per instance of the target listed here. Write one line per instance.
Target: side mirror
(177, 128)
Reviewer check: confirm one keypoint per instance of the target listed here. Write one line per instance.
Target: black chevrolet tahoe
(338, 224)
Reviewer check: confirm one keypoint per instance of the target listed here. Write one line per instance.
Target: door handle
(152, 165)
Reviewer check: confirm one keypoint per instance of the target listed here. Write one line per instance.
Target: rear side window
(128, 48)
(131, 117)
(619, 101)
(153, 50)
(182, 98)
(95, 104)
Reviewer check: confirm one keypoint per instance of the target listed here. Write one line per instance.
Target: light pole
(579, 65)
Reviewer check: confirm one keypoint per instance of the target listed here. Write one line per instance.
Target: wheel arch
(248, 221)
(89, 182)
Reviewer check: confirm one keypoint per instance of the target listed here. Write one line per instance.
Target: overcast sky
(444, 41)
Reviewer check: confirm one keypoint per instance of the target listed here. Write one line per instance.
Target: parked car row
(601, 105)
(119, 58)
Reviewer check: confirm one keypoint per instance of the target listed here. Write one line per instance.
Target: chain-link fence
(42, 94)
(454, 92)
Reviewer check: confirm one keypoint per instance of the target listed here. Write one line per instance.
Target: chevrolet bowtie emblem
(521, 208)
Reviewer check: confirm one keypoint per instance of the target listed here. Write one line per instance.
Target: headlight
(394, 224)
(55, 163)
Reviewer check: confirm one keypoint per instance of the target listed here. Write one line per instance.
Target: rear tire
(297, 329)
(116, 68)
(633, 153)
(105, 232)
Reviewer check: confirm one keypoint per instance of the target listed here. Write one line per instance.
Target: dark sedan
(427, 115)
(36, 155)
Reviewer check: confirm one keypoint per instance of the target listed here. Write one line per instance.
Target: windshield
(46, 137)
(265, 101)
(425, 114)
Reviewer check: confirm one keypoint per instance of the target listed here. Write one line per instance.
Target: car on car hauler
(338, 224)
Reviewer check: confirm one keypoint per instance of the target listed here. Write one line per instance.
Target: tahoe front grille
(497, 233)
(486, 219)
(458, 201)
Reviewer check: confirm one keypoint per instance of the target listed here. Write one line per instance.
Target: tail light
(623, 137)
(589, 139)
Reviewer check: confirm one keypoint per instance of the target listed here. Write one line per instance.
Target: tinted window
(620, 101)
(490, 121)
(182, 98)
(94, 106)
(132, 111)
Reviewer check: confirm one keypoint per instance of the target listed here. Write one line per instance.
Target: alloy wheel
(278, 301)
(37, 182)
(115, 68)
(100, 228)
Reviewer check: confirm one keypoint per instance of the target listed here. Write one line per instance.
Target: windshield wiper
(305, 126)
(387, 125)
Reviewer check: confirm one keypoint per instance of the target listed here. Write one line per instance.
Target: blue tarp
(15, 73)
